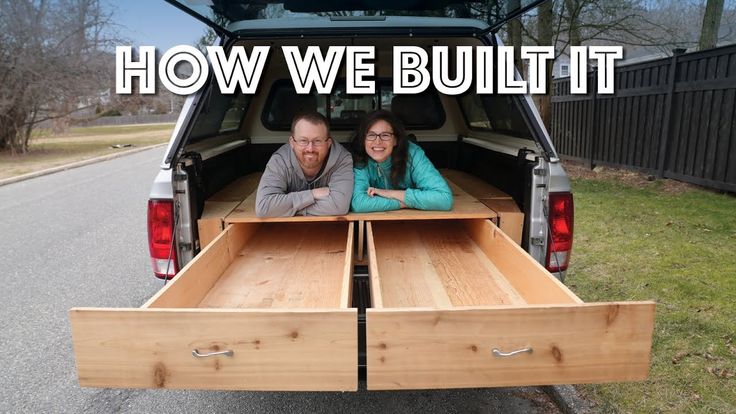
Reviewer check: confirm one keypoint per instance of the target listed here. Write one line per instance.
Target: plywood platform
(464, 206)
(434, 265)
(475, 186)
(291, 266)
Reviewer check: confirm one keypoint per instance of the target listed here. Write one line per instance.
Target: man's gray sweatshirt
(284, 192)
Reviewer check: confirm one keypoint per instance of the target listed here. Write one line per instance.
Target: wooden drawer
(274, 296)
(459, 304)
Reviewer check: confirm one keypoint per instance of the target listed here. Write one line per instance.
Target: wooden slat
(245, 212)
(346, 291)
(286, 266)
(673, 139)
(465, 206)
(651, 119)
(193, 282)
(217, 207)
(211, 223)
(273, 350)
(611, 121)
(361, 240)
(473, 185)
(510, 218)
(704, 85)
(608, 129)
(727, 137)
(407, 275)
(580, 127)
(375, 278)
(622, 121)
(633, 137)
(695, 125)
(436, 266)
(640, 118)
(581, 343)
(660, 128)
(239, 189)
(712, 141)
(705, 132)
(533, 282)
(730, 180)
(684, 121)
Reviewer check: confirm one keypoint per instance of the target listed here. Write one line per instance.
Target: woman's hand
(394, 194)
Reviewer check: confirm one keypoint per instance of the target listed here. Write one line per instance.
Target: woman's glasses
(385, 136)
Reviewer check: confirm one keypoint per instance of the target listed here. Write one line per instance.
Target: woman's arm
(399, 195)
(432, 191)
(364, 203)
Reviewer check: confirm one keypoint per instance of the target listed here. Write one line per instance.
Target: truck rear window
(345, 111)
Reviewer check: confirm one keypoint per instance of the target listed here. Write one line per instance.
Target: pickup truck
(472, 297)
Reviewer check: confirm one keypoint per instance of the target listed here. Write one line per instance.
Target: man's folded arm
(272, 198)
(341, 191)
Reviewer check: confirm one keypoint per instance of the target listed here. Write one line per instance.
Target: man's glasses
(305, 142)
(385, 136)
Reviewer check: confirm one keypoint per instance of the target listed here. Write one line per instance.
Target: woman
(391, 172)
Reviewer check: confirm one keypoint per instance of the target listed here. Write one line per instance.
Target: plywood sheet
(510, 218)
(465, 206)
(217, 207)
(535, 284)
(452, 348)
(307, 350)
(212, 221)
(192, 283)
(239, 189)
(473, 185)
(286, 265)
(435, 264)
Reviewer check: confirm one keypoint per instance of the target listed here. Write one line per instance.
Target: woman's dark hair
(400, 153)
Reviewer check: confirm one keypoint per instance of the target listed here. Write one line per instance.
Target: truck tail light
(160, 237)
(559, 241)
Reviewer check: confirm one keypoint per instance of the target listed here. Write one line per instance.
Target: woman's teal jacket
(425, 187)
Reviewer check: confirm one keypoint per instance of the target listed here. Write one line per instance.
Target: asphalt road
(78, 238)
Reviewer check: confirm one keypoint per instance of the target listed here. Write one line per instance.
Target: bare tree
(711, 24)
(545, 37)
(52, 63)
(515, 33)
(565, 23)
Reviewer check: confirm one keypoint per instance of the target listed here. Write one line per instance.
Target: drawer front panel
(453, 348)
(311, 350)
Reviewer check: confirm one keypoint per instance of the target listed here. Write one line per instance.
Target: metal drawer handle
(196, 353)
(498, 353)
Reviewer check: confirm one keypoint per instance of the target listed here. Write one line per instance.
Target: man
(310, 175)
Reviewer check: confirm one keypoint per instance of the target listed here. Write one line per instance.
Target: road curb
(77, 164)
(568, 399)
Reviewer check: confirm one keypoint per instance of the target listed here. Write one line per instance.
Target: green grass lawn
(679, 249)
(46, 151)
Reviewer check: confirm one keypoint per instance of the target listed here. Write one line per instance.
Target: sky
(154, 23)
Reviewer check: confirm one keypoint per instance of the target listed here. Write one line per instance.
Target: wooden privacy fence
(672, 117)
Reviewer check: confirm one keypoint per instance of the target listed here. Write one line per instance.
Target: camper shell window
(220, 113)
(345, 111)
(495, 112)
